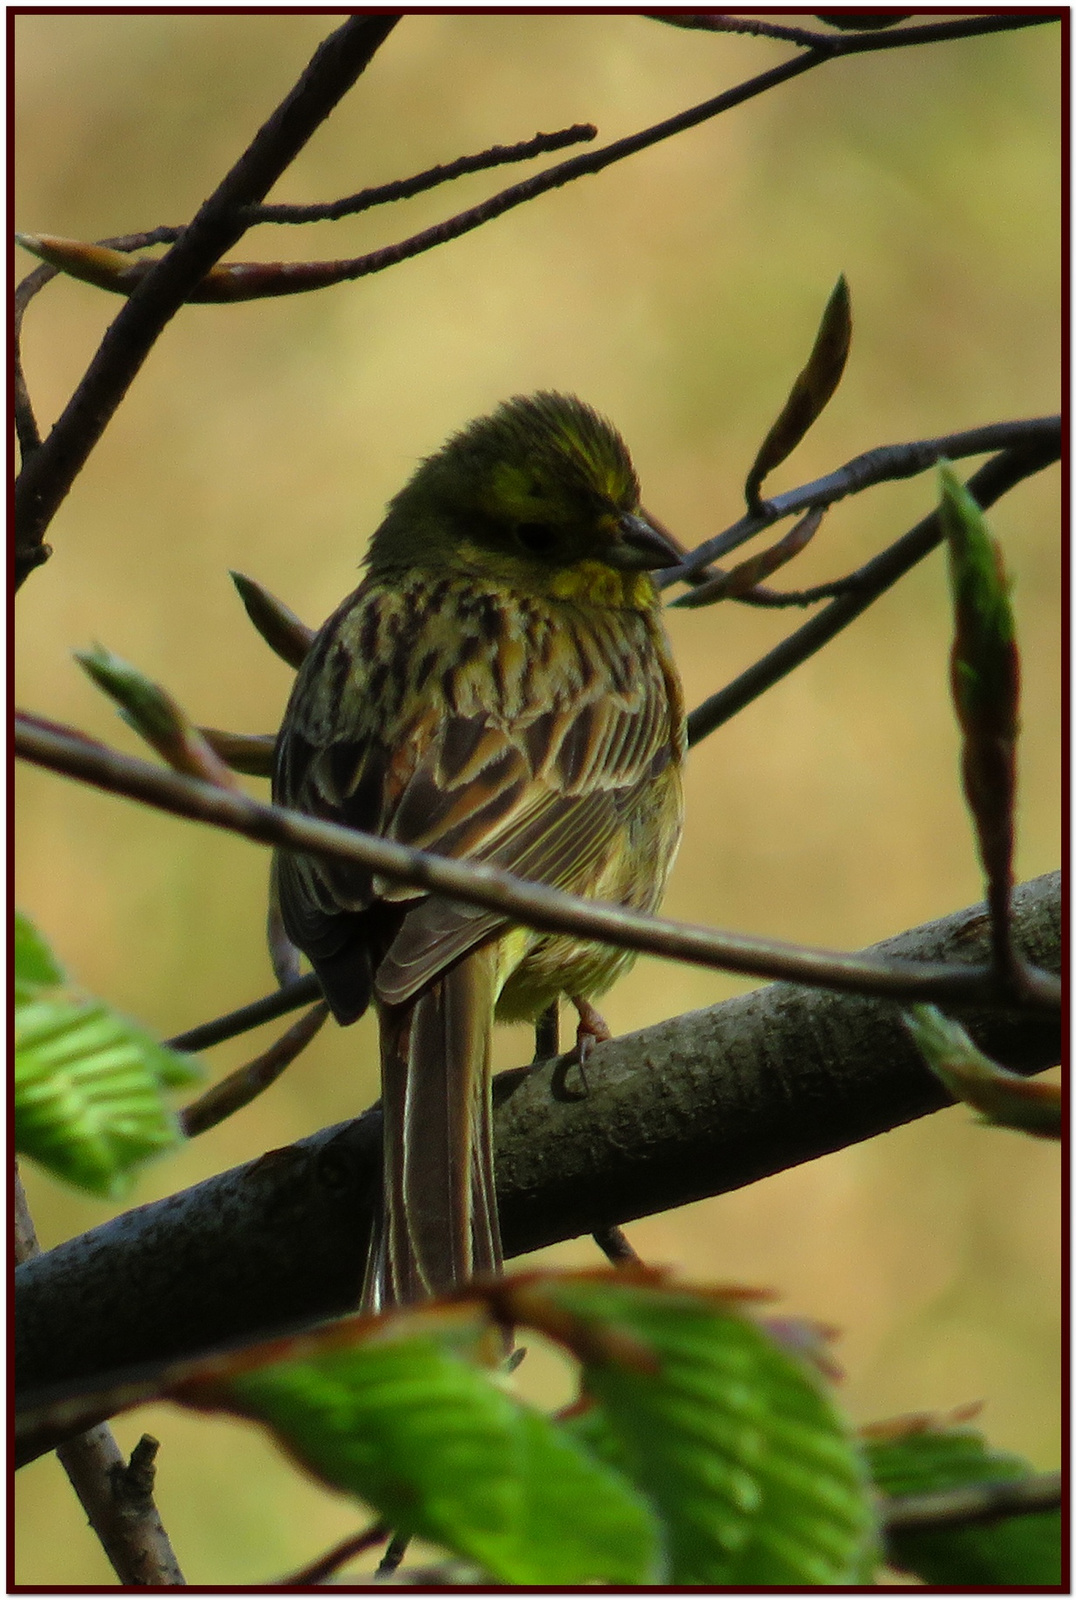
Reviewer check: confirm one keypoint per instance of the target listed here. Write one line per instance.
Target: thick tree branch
(696, 1106)
(51, 469)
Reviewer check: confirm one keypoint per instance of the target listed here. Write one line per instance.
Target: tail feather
(439, 1215)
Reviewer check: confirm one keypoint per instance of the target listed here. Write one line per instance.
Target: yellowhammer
(499, 688)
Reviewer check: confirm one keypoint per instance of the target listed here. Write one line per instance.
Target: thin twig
(251, 753)
(246, 1083)
(616, 1245)
(721, 22)
(116, 1495)
(884, 464)
(26, 428)
(242, 1020)
(238, 280)
(744, 580)
(325, 1565)
(971, 1504)
(51, 469)
(776, 599)
(52, 466)
(441, 1575)
(850, 43)
(995, 478)
(393, 1556)
(499, 155)
(547, 1034)
(533, 904)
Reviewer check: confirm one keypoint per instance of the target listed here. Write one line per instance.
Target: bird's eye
(537, 538)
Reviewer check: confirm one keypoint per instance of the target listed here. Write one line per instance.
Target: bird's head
(541, 495)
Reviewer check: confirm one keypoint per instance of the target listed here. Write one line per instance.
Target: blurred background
(679, 292)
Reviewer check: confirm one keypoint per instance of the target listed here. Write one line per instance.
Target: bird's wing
(526, 757)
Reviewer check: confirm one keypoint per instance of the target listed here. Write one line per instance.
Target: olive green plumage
(499, 688)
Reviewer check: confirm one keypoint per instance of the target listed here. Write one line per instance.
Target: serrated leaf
(1014, 1551)
(1004, 1098)
(88, 1092)
(431, 1440)
(752, 1470)
(36, 968)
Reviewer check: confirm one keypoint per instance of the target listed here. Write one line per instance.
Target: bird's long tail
(438, 1224)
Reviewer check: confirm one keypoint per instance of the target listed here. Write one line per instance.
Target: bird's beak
(642, 547)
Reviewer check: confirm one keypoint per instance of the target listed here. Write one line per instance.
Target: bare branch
(995, 478)
(499, 155)
(971, 1504)
(742, 582)
(251, 753)
(536, 905)
(853, 43)
(616, 1245)
(239, 280)
(698, 1105)
(116, 1495)
(547, 1034)
(246, 1083)
(277, 1004)
(884, 464)
(390, 1561)
(325, 1565)
(26, 428)
(50, 470)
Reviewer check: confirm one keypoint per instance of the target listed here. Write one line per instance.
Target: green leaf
(753, 1472)
(36, 967)
(154, 714)
(985, 667)
(88, 1101)
(1014, 1551)
(1005, 1099)
(430, 1439)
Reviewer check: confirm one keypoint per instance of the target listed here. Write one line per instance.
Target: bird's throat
(598, 584)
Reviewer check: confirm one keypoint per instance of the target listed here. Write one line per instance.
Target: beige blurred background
(679, 293)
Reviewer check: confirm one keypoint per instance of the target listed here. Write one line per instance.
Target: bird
(499, 689)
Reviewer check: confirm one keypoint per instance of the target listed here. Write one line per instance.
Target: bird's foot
(592, 1029)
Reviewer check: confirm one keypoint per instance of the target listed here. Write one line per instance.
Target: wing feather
(448, 734)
